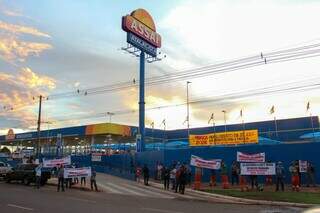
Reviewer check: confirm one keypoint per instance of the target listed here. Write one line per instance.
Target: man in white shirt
(38, 175)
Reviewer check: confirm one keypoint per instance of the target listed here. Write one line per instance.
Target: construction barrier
(225, 182)
(295, 180)
(197, 179)
(243, 183)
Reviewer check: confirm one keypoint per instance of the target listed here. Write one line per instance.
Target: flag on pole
(163, 122)
(272, 110)
(308, 106)
(185, 120)
(211, 118)
(152, 124)
(241, 113)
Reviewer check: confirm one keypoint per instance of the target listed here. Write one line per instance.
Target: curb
(246, 201)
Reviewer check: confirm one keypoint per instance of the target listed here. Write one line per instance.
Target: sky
(52, 47)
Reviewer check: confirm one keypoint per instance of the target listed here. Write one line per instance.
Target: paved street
(118, 195)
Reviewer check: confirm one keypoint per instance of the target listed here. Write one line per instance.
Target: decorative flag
(241, 113)
(164, 122)
(185, 120)
(152, 125)
(272, 110)
(211, 118)
(308, 106)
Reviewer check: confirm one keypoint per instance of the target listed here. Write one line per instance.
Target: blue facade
(288, 130)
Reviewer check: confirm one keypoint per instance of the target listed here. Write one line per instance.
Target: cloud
(16, 95)
(19, 29)
(32, 80)
(12, 49)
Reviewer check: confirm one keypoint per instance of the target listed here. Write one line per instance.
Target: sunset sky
(54, 46)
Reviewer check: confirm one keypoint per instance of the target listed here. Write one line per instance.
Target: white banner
(208, 164)
(258, 168)
(303, 166)
(57, 162)
(251, 158)
(77, 172)
(96, 157)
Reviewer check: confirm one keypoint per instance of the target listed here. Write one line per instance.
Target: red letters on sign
(138, 28)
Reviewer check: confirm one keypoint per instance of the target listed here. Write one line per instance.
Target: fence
(123, 164)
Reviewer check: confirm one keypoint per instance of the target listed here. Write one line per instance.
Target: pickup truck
(26, 174)
(4, 169)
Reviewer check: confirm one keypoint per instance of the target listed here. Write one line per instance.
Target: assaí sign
(140, 23)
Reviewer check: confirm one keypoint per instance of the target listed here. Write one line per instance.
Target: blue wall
(283, 152)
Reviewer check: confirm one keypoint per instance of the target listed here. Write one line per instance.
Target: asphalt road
(117, 195)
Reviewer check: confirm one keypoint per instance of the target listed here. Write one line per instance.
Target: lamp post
(225, 120)
(110, 114)
(188, 106)
(38, 128)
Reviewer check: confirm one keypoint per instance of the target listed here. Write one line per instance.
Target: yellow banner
(224, 138)
(108, 128)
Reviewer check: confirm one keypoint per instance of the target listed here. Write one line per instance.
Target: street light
(188, 111)
(225, 120)
(110, 115)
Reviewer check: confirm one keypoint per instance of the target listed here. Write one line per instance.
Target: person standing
(83, 181)
(146, 174)
(38, 175)
(182, 179)
(310, 174)
(166, 178)
(93, 181)
(60, 178)
(280, 176)
(173, 177)
(234, 173)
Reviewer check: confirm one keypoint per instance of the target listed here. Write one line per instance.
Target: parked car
(26, 174)
(4, 169)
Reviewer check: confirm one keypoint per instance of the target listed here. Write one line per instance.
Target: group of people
(177, 175)
(294, 170)
(68, 182)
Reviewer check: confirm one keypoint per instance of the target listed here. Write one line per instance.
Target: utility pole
(38, 128)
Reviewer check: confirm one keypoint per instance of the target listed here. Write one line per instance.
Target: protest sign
(77, 172)
(57, 162)
(96, 157)
(225, 138)
(303, 166)
(208, 164)
(251, 158)
(258, 169)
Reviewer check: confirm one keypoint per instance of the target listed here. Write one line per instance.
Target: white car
(4, 169)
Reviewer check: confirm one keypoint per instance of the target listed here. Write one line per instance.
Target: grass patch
(293, 197)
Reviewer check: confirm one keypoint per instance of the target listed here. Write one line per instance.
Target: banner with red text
(208, 164)
(77, 172)
(258, 169)
(251, 158)
(57, 162)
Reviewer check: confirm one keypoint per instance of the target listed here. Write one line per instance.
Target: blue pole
(141, 103)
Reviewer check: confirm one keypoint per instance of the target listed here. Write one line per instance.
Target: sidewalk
(236, 200)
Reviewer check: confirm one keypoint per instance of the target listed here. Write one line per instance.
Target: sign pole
(38, 128)
(141, 102)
